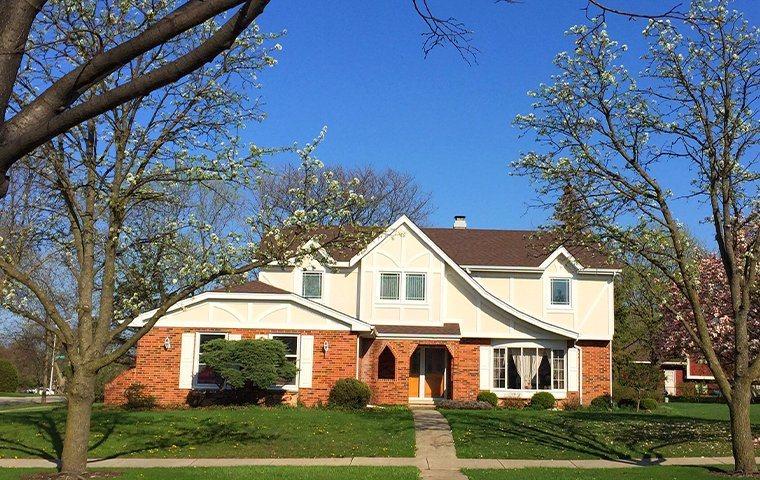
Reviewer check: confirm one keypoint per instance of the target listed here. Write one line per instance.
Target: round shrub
(489, 397)
(137, 399)
(8, 377)
(602, 402)
(542, 401)
(349, 393)
(649, 404)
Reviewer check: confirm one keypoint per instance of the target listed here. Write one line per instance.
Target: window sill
(283, 388)
(527, 394)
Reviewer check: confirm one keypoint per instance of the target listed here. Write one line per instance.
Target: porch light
(326, 346)
(167, 343)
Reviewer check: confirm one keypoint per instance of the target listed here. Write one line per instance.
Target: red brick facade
(596, 371)
(158, 368)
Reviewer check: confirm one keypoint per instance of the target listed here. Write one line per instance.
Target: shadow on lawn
(610, 436)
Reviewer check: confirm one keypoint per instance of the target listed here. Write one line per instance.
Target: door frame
(420, 350)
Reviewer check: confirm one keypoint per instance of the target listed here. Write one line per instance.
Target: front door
(435, 372)
(427, 373)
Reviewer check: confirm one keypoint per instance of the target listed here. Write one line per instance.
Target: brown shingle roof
(506, 248)
(446, 329)
(254, 286)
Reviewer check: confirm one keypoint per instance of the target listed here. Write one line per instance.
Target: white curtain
(527, 362)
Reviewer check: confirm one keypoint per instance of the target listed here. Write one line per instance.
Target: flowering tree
(608, 133)
(144, 206)
(716, 296)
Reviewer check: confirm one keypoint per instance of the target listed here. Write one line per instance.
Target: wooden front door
(414, 374)
(435, 372)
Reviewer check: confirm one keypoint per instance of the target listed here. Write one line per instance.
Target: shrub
(572, 404)
(8, 377)
(514, 403)
(603, 402)
(137, 399)
(489, 397)
(542, 401)
(649, 404)
(349, 393)
(464, 405)
(249, 364)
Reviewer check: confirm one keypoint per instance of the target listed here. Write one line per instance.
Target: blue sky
(358, 68)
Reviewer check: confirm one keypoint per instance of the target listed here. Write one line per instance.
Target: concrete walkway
(435, 445)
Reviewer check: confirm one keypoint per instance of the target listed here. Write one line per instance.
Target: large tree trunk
(81, 395)
(741, 429)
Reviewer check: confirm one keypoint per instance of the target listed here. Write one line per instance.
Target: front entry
(428, 373)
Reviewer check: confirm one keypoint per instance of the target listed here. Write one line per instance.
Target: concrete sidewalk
(423, 463)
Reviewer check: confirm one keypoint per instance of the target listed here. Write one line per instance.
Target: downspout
(358, 339)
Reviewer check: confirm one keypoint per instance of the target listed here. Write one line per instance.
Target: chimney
(460, 222)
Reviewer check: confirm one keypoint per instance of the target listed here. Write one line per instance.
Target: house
(419, 314)
(688, 377)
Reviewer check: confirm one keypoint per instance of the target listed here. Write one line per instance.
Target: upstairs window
(312, 285)
(389, 286)
(560, 292)
(415, 286)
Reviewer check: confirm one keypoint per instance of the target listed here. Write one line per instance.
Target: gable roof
(484, 294)
(507, 248)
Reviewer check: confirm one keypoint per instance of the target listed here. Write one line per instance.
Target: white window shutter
(187, 360)
(234, 337)
(572, 369)
(306, 362)
(485, 367)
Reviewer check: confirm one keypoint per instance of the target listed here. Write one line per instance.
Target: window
(386, 365)
(312, 285)
(389, 286)
(415, 286)
(291, 346)
(206, 377)
(528, 368)
(560, 290)
(558, 366)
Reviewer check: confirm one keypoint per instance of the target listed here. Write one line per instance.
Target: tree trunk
(741, 430)
(81, 395)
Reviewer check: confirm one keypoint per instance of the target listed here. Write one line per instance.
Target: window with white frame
(415, 286)
(292, 350)
(390, 285)
(206, 377)
(560, 292)
(312, 285)
(528, 368)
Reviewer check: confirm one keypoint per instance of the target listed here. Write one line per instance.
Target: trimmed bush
(649, 404)
(349, 393)
(489, 397)
(542, 401)
(603, 402)
(464, 405)
(572, 404)
(137, 399)
(8, 377)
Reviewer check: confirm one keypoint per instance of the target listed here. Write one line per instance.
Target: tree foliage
(639, 381)
(253, 364)
(9, 381)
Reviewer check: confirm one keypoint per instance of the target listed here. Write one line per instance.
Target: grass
(705, 411)
(252, 473)
(646, 473)
(253, 432)
(680, 430)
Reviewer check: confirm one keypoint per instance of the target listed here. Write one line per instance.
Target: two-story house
(419, 314)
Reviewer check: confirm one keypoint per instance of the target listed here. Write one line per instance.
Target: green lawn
(707, 411)
(680, 430)
(216, 432)
(646, 473)
(252, 473)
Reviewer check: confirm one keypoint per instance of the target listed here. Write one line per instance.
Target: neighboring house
(690, 371)
(419, 314)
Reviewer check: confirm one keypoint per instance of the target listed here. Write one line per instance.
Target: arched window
(386, 365)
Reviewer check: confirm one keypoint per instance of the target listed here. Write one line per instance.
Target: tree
(641, 380)
(387, 194)
(250, 364)
(9, 381)
(713, 291)
(609, 132)
(144, 206)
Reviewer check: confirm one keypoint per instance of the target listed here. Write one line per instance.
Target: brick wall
(595, 368)
(463, 368)
(158, 368)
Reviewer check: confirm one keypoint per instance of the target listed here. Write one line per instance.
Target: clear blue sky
(357, 67)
